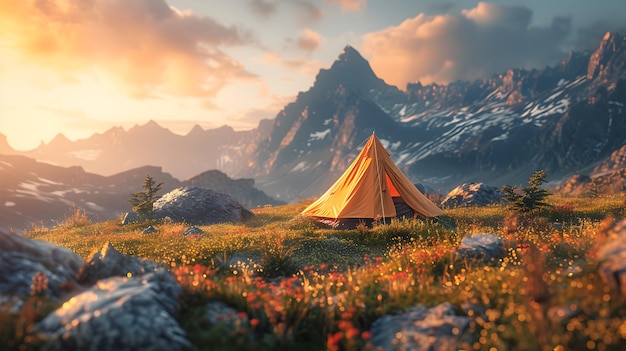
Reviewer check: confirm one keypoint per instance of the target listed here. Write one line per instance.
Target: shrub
(278, 261)
(527, 200)
(143, 201)
(77, 218)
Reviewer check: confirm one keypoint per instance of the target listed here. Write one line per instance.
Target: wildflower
(352, 333)
(344, 325)
(332, 342)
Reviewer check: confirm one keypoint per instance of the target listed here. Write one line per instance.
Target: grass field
(301, 286)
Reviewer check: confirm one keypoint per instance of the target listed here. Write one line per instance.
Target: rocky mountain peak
(350, 54)
(196, 130)
(350, 70)
(609, 57)
(60, 141)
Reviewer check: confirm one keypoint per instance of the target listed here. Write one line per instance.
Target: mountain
(314, 137)
(607, 177)
(117, 150)
(566, 119)
(563, 119)
(39, 194)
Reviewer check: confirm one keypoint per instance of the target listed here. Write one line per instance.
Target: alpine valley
(569, 119)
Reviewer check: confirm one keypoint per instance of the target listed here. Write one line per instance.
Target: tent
(372, 188)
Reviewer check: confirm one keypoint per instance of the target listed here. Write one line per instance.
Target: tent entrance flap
(391, 189)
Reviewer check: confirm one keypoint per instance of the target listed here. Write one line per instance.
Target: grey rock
(21, 259)
(149, 230)
(193, 230)
(218, 313)
(241, 190)
(108, 262)
(482, 246)
(117, 314)
(130, 217)
(198, 206)
(471, 194)
(420, 328)
(613, 258)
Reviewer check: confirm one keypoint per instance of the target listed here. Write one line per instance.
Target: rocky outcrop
(471, 194)
(420, 328)
(481, 246)
(130, 217)
(616, 161)
(108, 262)
(149, 230)
(242, 190)
(113, 302)
(608, 183)
(22, 260)
(118, 314)
(219, 313)
(193, 230)
(199, 207)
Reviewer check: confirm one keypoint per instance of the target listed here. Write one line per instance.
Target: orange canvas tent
(373, 187)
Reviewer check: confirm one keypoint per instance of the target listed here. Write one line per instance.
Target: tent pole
(380, 186)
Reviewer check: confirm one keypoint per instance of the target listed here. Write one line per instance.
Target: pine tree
(529, 199)
(142, 201)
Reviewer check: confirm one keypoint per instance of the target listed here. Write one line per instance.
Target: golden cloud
(145, 45)
(309, 40)
(488, 39)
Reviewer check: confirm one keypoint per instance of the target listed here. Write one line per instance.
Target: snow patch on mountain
(319, 135)
(87, 155)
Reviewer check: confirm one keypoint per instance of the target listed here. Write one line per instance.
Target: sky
(80, 67)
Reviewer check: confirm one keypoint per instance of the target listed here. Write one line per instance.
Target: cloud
(588, 38)
(304, 66)
(263, 8)
(309, 40)
(476, 43)
(350, 5)
(307, 12)
(146, 46)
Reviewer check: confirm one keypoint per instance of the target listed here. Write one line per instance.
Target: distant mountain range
(40, 194)
(566, 119)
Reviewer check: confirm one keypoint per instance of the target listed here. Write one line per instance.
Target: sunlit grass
(544, 294)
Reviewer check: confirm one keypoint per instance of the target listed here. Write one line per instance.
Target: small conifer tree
(529, 199)
(142, 201)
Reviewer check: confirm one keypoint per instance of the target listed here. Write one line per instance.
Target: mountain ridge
(38, 194)
(565, 118)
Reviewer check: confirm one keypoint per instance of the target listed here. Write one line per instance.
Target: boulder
(612, 256)
(218, 313)
(420, 328)
(117, 314)
(23, 259)
(108, 262)
(471, 194)
(130, 217)
(149, 230)
(193, 230)
(481, 246)
(198, 206)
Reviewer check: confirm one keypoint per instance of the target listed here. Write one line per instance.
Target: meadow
(298, 285)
